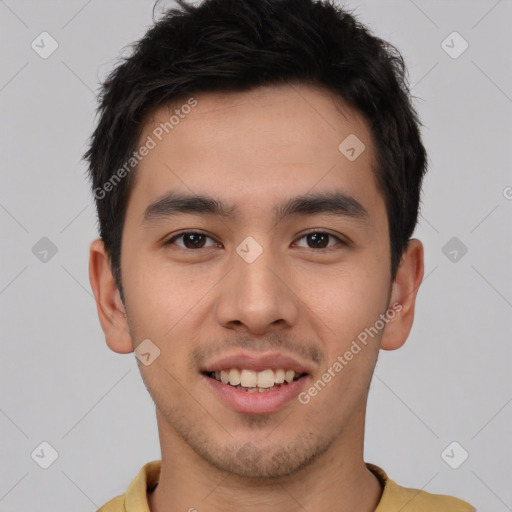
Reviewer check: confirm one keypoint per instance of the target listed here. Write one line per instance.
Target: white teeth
(266, 379)
(289, 375)
(234, 377)
(259, 381)
(248, 379)
(279, 377)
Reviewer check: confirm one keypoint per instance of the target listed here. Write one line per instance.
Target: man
(257, 169)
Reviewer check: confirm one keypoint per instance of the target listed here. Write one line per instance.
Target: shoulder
(409, 500)
(135, 497)
(395, 497)
(114, 505)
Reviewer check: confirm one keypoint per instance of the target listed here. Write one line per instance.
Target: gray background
(61, 384)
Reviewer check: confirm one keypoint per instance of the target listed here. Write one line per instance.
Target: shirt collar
(136, 499)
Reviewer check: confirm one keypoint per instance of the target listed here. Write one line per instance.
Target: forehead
(255, 146)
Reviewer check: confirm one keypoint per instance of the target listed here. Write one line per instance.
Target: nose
(257, 295)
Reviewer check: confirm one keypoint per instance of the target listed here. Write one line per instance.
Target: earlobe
(404, 290)
(111, 311)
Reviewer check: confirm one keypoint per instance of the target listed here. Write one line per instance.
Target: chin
(259, 461)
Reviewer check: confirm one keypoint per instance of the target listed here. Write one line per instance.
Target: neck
(337, 479)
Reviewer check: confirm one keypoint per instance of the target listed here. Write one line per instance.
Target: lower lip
(256, 403)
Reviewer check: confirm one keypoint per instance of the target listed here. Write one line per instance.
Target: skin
(256, 149)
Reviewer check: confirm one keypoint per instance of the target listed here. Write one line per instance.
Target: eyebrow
(330, 203)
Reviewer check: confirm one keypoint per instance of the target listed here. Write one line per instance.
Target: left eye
(320, 239)
(191, 240)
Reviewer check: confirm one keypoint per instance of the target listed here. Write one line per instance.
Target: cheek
(164, 305)
(348, 311)
(346, 307)
(159, 294)
(347, 300)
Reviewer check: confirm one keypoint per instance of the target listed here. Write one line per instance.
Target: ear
(403, 293)
(111, 311)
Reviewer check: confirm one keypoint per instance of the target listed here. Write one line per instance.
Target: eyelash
(171, 240)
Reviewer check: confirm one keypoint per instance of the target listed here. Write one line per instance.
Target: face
(271, 284)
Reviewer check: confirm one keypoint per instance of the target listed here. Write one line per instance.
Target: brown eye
(320, 239)
(190, 240)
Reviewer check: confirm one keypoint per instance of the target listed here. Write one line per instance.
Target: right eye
(191, 240)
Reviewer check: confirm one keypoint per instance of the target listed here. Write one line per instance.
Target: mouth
(250, 381)
(255, 392)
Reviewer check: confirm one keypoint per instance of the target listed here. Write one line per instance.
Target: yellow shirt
(394, 498)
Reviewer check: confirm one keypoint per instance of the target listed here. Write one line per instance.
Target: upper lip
(257, 363)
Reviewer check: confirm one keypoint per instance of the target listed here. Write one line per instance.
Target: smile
(249, 392)
(255, 382)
